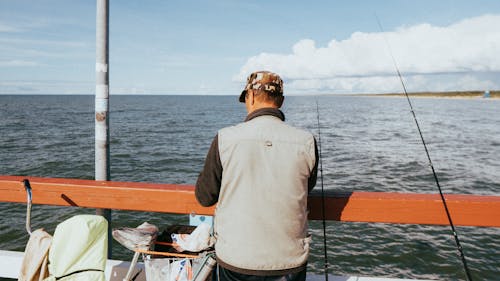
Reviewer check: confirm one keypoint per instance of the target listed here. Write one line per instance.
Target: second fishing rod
(443, 199)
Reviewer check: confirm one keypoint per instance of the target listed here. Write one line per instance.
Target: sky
(210, 47)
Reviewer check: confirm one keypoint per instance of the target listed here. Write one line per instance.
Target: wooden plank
(409, 208)
(134, 196)
(381, 207)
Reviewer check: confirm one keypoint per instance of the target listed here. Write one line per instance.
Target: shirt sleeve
(314, 173)
(208, 184)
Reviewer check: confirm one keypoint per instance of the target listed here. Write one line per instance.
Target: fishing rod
(455, 235)
(322, 195)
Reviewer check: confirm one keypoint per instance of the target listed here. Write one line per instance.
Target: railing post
(102, 164)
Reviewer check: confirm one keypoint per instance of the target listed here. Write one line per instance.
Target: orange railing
(382, 207)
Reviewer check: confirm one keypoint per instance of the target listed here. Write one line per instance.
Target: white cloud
(17, 63)
(38, 42)
(362, 63)
(8, 28)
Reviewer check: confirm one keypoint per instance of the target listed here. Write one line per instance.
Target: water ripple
(369, 144)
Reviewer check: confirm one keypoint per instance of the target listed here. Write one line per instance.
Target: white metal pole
(102, 164)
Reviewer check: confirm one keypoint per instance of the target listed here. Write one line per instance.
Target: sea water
(368, 144)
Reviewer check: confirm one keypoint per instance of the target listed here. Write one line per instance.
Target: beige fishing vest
(261, 216)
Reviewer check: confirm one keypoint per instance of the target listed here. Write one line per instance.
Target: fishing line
(457, 241)
(322, 195)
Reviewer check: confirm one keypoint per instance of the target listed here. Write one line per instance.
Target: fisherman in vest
(259, 173)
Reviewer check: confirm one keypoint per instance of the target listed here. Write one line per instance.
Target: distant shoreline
(451, 95)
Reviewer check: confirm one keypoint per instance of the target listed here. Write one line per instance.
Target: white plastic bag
(197, 241)
(181, 270)
(157, 269)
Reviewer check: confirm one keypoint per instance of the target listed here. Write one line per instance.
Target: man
(260, 173)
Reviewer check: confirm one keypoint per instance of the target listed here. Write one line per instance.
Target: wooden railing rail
(380, 207)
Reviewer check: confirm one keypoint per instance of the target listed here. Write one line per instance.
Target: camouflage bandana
(265, 81)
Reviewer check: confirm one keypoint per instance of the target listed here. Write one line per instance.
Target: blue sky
(209, 47)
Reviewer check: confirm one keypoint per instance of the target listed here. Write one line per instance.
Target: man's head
(265, 88)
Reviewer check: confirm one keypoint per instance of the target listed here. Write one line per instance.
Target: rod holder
(27, 187)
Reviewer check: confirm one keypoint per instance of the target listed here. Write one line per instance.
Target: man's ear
(280, 101)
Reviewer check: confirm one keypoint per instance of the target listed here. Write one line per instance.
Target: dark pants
(228, 275)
